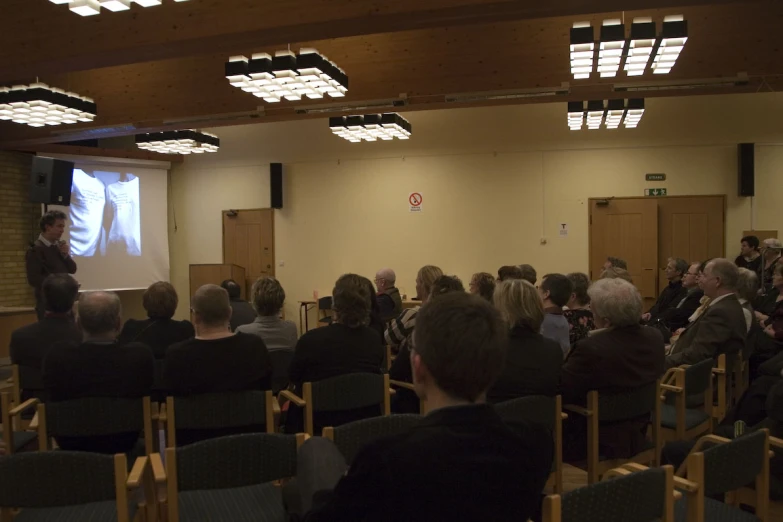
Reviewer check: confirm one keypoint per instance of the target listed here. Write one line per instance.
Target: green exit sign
(655, 192)
(655, 177)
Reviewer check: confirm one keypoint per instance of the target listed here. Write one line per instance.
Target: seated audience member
(509, 272)
(616, 273)
(674, 291)
(578, 314)
(482, 284)
(348, 345)
(747, 290)
(773, 323)
(98, 367)
(242, 312)
(30, 344)
(425, 474)
(620, 355)
(555, 291)
(529, 274)
(677, 317)
(721, 328)
(389, 299)
(159, 330)
(533, 362)
(268, 298)
(445, 284)
(749, 257)
(772, 250)
(615, 262)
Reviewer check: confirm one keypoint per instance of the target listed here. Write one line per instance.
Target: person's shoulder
(137, 349)
(181, 347)
(248, 339)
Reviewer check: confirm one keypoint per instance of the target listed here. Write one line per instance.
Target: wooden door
(691, 228)
(249, 241)
(628, 229)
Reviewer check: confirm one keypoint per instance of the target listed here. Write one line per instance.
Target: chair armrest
(718, 371)
(633, 466)
(291, 396)
(673, 389)
(33, 426)
(776, 442)
(162, 414)
(669, 376)
(136, 475)
(26, 405)
(403, 384)
(563, 416)
(714, 439)
(157, 468)
(687, 485)
(276, 408)
(616, 472)
(7, 386)
(584, 412)
(392, 391)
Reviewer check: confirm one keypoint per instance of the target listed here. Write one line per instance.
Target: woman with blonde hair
(533, 362)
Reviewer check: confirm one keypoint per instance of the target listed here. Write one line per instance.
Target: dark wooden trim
(75, 150)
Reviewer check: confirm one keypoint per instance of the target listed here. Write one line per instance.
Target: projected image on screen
(105, 214)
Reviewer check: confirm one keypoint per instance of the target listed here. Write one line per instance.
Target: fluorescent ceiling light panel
(674, 35)
(582, 50)
(612, 48)
(178, 142)
(371, 127)
(39, 103)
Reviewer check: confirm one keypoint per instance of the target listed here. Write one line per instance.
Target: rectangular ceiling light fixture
(38, 105)
(93, 7)
(640, 47)
(287, 76)
(371, 127)
(582, 50)
(611, 115)
(612, 48)
(178, 142)
(673, 37)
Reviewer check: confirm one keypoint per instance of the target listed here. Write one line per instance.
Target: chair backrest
(325, 303)
(735, 464)
(56, 478)
(348, 392)
(220, 410)
(638, 497)
(94, 416)
(537, 409)
(352, 437)
(629, 404)
(698, 377)
(281, 361)
(235, 461)
(30, 378)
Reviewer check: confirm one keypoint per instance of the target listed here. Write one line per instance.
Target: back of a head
(60, 292)
(727, 271)
(509, 272)
(617, 262)
(485, 283)
(211, 306)
(529, 274)
(427, 276)
(773, 242)
(99, 312)
(747, 284)
(616, 273)
(232, 287)
(445, 284)
(559, 288)
(351, 300)
(752, 241)
(387, 274)
(462, 341)
(160, 300)
(579, 285)
(519, 304)
(268, 296)
(616, 301)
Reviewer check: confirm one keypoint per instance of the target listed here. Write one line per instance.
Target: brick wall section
(18, 225)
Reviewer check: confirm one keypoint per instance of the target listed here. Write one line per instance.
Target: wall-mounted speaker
(50, 181)
(276, 184)
(746, 169)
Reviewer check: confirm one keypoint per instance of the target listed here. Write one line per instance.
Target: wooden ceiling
(162, 67)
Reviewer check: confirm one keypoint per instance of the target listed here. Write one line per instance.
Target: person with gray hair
(389, 300)
(619, 355)
(674, 292)
(772, 248)
(721, 328)
(747, 289)
(268, 297)
(98, 367)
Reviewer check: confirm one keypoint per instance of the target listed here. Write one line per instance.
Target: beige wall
(494, 180)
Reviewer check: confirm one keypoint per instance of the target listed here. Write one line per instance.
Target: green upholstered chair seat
(692, 417)
(714, 511)
(93, 512)
(257, 503)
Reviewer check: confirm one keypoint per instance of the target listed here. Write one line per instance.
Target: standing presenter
(48, 255)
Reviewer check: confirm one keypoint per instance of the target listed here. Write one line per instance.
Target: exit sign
(655, 192)
(655, 177)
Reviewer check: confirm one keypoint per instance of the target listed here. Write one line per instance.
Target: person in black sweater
(674, 291)
(30, 344)
(48, 255)
(98, 367)
(425, 474)
(242, 312)
(749, 257)
(677, 317)
(159, 330)
(533, 362)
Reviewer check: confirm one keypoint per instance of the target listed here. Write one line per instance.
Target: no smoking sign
(415, 200)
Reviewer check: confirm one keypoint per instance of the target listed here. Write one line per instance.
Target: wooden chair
(741, 376)
(687, 411)
(410, 387)
(625, 495)
(544, 410)
(338, 394)
(15, 440)
(227, 478)
(723, 373)
(95, 416)
(719, 466)
(73, 485)
(214, 414)
(24, 379)
(352, 437)
(618, 407)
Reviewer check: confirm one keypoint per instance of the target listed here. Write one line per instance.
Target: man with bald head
(389, 299)
(98, 367)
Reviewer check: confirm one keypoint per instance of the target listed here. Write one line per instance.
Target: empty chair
(691, 393)
(352, 437)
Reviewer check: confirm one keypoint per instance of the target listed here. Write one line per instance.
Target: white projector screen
(117, 227)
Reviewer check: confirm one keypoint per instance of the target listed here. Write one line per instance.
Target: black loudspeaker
(746, 170)
(276, 184)
(50, 181)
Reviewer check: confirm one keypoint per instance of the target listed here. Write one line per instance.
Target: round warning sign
(415, 201)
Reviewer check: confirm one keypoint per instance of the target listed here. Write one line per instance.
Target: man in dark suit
(461, 462)
(722, 327)
(98, 367)
(48, 255)
(620, 355)
(242, 312)
(30, 344)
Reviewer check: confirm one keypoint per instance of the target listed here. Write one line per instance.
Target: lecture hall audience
(483, 284)
(555, 291)
(159, 330)
(577, 312)
(529, 274)
(268, 297)
(509, 272)
(533, 362)
(772, 251)
(674, 291)
(99, 366)
(389, 299)
(677, 317)
(773, 323)
(241, 311)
